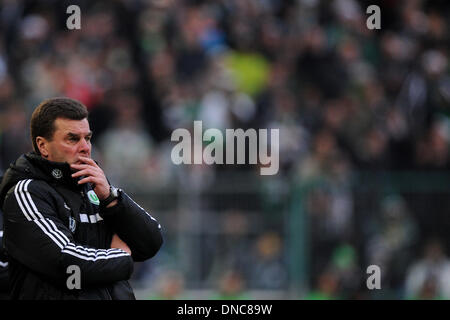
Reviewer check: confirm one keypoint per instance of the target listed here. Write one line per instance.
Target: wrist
(112, 199)
(112, 204)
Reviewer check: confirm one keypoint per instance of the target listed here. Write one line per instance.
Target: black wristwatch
(113, 195)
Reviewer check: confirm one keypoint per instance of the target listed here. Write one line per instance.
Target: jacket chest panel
(82, 218)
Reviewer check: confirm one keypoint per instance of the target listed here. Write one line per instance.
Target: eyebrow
(75, 135)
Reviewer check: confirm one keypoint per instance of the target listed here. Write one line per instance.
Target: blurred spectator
(14, 138)
(392, 243)
(170, 286)
(231, 287)
(126, 147)
(344, 263)
(326, 288)
(269, 271)
(429, 276)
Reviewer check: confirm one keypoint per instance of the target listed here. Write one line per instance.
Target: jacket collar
(57, 172)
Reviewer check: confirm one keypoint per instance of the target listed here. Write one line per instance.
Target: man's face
(71, 139)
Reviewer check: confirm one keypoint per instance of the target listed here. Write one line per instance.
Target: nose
(85, 147)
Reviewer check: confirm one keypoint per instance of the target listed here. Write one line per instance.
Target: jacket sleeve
(36, 237)
(3, 260)
(137, 228)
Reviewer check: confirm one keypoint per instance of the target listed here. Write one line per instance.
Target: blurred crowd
(347, 100)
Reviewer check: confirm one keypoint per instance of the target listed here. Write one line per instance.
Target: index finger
(88, 160)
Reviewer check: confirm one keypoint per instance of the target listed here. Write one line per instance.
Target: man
(69, 234)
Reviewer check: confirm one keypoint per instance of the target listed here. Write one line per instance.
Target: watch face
(114, 192)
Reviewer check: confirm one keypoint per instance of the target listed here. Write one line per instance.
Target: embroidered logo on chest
(93, 197)
(57, 173)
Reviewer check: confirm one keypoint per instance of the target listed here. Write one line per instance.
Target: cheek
(67, 149)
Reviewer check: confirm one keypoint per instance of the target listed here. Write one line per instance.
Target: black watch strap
(113, 195)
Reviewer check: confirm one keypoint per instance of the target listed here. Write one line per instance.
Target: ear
(42, 145)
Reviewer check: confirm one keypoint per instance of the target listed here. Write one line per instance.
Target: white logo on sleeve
(93, 197)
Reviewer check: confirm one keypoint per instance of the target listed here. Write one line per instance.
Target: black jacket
(4, 287)
(51, 223)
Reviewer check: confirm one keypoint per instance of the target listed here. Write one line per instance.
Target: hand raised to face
(91, 172)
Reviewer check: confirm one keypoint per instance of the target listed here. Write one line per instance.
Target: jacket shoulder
(35, 186)
(26, 187)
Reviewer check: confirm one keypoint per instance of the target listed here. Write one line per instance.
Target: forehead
(64, 126)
